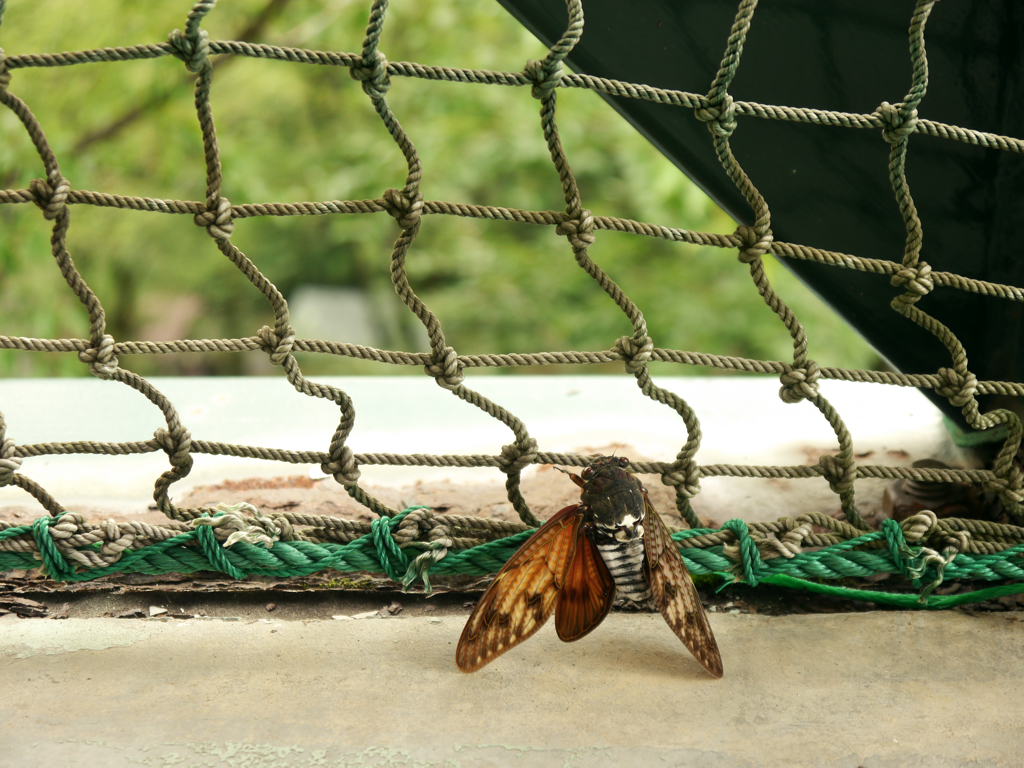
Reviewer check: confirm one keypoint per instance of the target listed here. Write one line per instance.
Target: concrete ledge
(742, 421)
(872, 690)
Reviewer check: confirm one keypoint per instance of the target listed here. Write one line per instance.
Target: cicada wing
(675, 595)
(588, 592)
(523, 594)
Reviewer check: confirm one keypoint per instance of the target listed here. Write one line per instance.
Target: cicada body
(613, 540)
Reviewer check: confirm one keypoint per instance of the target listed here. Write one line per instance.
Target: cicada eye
(623, 461)
(587, 472)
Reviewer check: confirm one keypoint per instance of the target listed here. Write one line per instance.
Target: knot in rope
(958, 388)
(67, 525)
(721, 118)
(517, 456)
(791, 543)
(635, 352)
(277, 348)
(896, 126)
(387, 548)
(1007, 483)
(686, 476)
(165, 441)
(193, 50)
(907, 561)
(9, 463)
(800, 383)
(915, 280)
(50, 197)
(750, 557)
(405, 210)
(219, 223)
(922, 526)
(919, 527)
(5, 76)
(54, 563)
(447, 371)
(288, 532)
(101, 360)
(840, 474)
(421, 520)
(753, 245)
(257, 529)
(116, 542)
(343, 468)
(956, 541)
(372, 72)
(215, 553)
(545, 76)
(417, 521)
(177, 445)
(913, 563)
(579, 231)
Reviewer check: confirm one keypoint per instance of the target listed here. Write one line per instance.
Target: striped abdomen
(625, 561)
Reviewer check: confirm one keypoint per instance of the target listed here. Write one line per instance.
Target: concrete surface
(874, 690)
(871, 690)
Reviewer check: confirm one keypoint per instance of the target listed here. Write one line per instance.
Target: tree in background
(296, 132)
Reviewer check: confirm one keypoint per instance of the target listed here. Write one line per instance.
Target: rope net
(409, 545)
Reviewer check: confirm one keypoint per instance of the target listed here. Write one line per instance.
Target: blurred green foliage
(293, 132)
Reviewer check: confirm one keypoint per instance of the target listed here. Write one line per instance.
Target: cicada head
(614, 498)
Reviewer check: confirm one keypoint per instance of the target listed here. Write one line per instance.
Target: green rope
(838, 561)
(934, 602)
(378, 552)
(750, 557)
(54, 564)
(216, 554)
(911, 564)
(393, 561)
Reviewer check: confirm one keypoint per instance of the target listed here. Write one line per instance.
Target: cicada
(612, 541)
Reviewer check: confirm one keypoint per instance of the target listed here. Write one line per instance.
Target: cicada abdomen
(613, 540)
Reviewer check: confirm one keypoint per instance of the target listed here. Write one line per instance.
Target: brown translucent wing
(587, 594)
(523, 594)
(675, 595)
